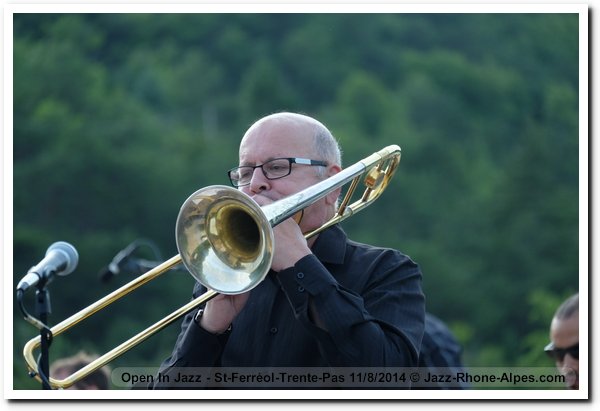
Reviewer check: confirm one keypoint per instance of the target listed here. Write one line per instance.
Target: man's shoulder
(364, 250)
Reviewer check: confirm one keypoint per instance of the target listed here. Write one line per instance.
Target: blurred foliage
(119, 117)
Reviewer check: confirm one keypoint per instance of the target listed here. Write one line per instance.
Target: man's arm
(195, 347)
(381, 326)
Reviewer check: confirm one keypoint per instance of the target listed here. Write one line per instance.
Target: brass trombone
(225, 240)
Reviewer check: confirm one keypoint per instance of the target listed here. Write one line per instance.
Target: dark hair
(99, 378)
(569, 307)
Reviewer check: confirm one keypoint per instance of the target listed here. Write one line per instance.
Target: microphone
(61, 259)
(117, 262)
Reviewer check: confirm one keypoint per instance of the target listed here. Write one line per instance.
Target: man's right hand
(220, 312)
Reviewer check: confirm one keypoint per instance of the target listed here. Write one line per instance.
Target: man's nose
(570, 362)
(569, 369)
(258, 182)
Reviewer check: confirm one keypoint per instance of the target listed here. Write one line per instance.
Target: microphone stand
(42, 307)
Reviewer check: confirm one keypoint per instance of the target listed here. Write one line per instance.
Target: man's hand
(289, 241)
(220, 312)
(290, 245)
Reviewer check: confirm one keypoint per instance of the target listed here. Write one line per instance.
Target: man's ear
(333, 196)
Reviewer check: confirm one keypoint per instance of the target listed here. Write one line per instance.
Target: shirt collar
(330, 246)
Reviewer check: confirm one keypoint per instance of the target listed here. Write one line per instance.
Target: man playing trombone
(327, 301)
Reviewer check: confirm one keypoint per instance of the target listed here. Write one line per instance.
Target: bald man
(564, 337)
(327, 301)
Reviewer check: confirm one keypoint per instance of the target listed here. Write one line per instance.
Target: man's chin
(575, 385)
(572, 380)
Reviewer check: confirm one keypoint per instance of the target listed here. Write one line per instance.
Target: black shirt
(368, 298)
(440, 355)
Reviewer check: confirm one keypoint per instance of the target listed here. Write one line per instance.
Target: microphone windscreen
(69, 251)
(105, 275)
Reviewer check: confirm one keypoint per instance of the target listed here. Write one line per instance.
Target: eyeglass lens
(272, 169)
(559, 353)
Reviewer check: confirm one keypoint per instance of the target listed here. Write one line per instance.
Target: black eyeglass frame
(558, 354)
(291, 160)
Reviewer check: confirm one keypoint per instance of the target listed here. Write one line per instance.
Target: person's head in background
(564, 337)
(98, 380)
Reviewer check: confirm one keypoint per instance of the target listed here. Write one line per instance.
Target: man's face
(564, 333)
(277, 139)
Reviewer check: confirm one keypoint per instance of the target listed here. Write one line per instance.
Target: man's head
(63, 368)
(289, 136)
(564, 334)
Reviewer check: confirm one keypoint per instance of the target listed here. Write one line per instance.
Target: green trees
(119, 117)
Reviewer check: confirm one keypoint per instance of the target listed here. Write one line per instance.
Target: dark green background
(119, 117)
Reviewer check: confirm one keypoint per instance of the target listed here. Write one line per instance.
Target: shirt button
(273, 330)
(300, 275)
(300, 289)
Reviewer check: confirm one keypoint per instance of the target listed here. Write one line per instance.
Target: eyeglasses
(558, 354)
(272, 169)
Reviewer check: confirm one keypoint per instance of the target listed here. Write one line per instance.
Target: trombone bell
(224, 239)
